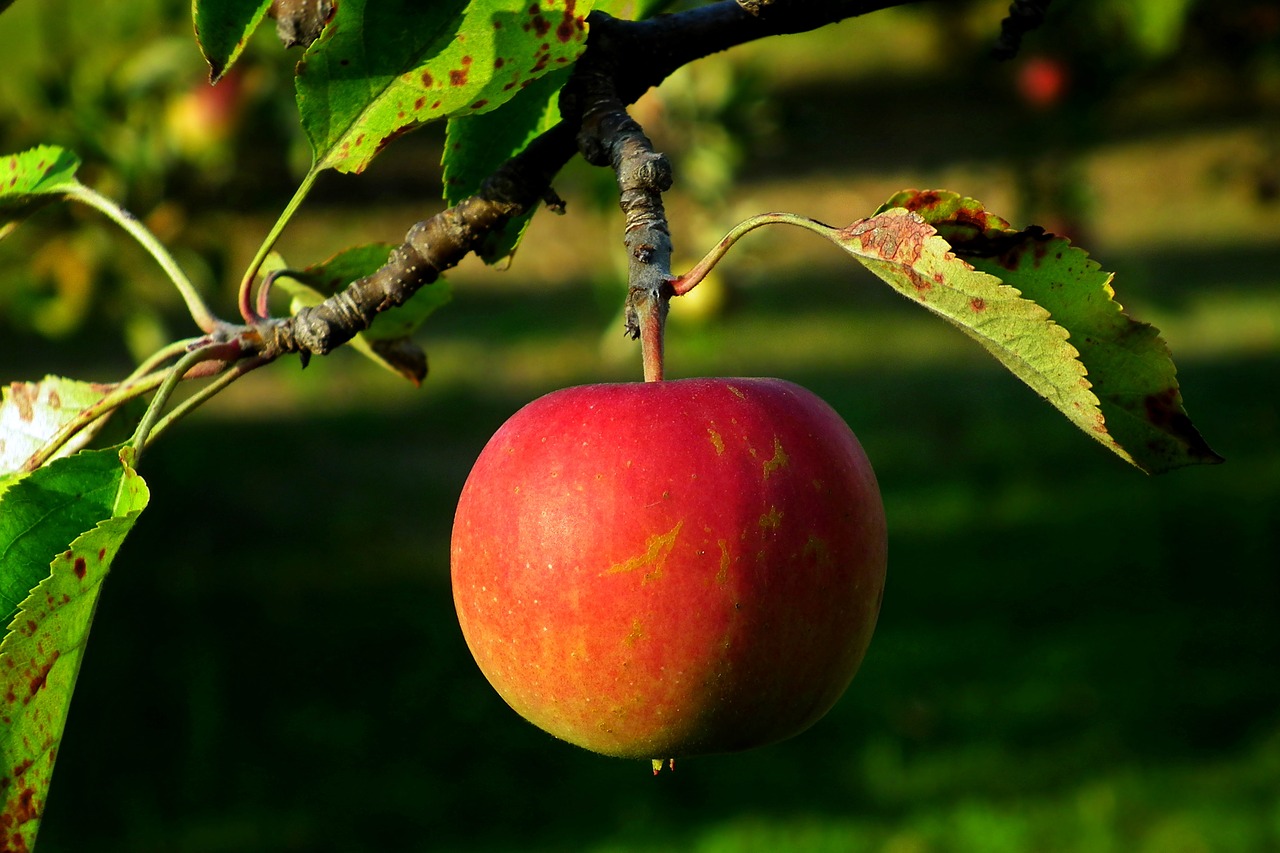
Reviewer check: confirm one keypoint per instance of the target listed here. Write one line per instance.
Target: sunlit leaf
(41, 513)
(1129, 367)
(33, 178)
(32, 413)
(42, 651)
(433, 60)
(223, 28)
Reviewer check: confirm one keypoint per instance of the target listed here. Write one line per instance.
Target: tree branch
(1024, 16)
(642, 54)
(623, 60)
(431, 247)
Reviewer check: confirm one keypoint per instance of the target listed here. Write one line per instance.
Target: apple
(201, 122)
(664, 569)
(1043, 81)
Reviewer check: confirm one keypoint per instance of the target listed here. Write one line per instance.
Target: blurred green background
(1072, 656)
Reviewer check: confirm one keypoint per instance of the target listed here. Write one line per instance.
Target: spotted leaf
(32, 413)
(905, 251)
(41, 653)
(1128, 366)
(33, 178)
(435, 60)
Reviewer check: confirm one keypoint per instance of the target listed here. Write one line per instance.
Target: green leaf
(42, 512)
(34, 178)
(1129, 367)
(386, 342)
(223, 28)
(32, 413)
(42, 651)
(433, 60)
(477, 145)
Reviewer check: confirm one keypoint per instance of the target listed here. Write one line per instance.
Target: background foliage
(1071, 656)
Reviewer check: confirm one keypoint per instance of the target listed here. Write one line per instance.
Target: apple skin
(664, 569)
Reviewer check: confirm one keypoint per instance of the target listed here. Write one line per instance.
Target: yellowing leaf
(32, 413)
(1128, 365)
(905, 251)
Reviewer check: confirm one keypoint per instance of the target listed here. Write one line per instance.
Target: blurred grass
(1072, 656)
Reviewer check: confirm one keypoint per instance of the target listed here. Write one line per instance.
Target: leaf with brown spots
(41, 653)
(31, 413)
(437, 60)
(41, 513)
(33, 178)
(905, 251)
(1130, 369)
(388, 342)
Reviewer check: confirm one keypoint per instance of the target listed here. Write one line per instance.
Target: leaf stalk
(200, 313)
(680, 285)
(220, 351)
(248, 311)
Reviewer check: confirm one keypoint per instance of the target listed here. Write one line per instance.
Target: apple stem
(652, 317)
(680, 285)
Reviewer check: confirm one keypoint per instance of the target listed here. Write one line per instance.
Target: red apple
(201, 123)
(663, 569)
(1043, 81)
